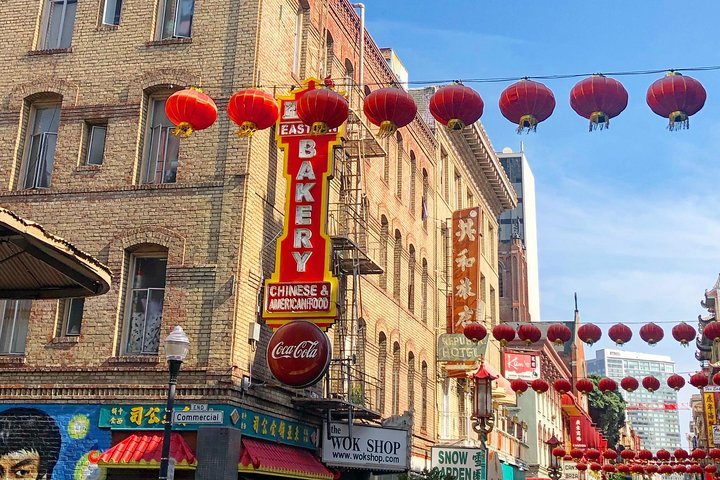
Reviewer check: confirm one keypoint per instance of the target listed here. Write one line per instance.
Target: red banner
(467, 239)
(303, 285)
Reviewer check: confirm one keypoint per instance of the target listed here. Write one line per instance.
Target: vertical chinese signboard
(467, 233)
(578, 432)
(302, 286)
(711, 398)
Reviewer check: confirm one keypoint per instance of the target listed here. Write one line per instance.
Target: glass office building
(653, 415)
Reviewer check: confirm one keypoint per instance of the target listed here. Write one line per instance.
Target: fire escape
(350, 391)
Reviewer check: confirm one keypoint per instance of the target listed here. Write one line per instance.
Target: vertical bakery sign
(466, 241)
(303, 286)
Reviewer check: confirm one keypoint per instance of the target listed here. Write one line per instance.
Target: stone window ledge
(66, 340)
(168, 41)
(107, 28)
(87, 168)
(50, 51)
(12, 359)
(134, 359)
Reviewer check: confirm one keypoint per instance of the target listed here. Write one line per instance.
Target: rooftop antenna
(576, 309)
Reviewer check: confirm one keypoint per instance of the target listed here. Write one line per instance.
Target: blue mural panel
(51, 442)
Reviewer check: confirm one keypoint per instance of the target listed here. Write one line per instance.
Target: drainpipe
(361, 67)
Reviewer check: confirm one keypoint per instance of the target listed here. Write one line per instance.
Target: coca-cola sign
(298, 354)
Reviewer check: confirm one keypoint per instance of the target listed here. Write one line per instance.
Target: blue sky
(627, 217)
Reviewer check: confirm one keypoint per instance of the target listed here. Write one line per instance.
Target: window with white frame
(175, 18)
(95, 143)
(111, 12)
(161, 160)
(40, 150)
(145, 297)
(59, 24)
(72, 314)
(14, 316)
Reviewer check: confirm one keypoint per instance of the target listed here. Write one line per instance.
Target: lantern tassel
(387, 128)
(528, 123)
(679, 121)
(456, 124)
(183, 130)
(247, 129)
(599, 120)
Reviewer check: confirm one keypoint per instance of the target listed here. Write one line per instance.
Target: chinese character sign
(710, 403)
(302, 285)
(466, 241)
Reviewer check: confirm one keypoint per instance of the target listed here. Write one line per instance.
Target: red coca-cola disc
(298, 354)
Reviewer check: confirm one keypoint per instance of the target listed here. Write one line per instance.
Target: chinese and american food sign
(466, 241)
(302, 285)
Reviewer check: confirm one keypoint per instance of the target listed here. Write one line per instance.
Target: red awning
(144, 449)
(258, 456)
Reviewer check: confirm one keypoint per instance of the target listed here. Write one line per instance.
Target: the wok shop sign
(460, 463)
(371, 448)
(303, 286)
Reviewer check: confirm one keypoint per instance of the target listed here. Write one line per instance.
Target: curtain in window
(146, 305)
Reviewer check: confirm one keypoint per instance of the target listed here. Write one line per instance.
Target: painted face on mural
(29, 444)
(20, 464)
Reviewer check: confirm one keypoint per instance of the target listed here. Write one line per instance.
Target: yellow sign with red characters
(303, 286)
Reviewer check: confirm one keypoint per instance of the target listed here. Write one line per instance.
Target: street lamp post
(554, 469)
(483, 417)
(177, 346)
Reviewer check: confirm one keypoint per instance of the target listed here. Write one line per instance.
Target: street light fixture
(177, 346)
(483, 407)
(554, 467)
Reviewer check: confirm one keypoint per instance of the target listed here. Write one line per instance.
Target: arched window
(424, 291)
(329, 54)
(423, 396)
(399, 171)
(384, 233)
(411, 280)
(382, 365)
(411, 382)
(413, 179)
(425, 213)
(396, 379)
(397, 257)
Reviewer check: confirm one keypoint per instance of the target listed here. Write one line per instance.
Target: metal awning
(35, 264)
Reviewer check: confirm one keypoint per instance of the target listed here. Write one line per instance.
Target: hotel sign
(455, 347)
(303, 286)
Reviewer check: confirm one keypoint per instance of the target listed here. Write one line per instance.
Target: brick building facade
(188, 227)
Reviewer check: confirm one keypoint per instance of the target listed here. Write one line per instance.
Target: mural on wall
(51, 442)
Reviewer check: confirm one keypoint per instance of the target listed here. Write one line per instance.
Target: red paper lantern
(389, 109)
(651, 468)
(581, 466)
(567, 458)
(584, 386)
(627, 454)
(322, 109)
(699, 380)
(592, 454)
(607, 385)
(589, 333)
(710, 469)
(714, 453)
(598, 98)
(665, 470)
(675, 381)
(527, 103)
(610, 454)
(475, 331)
(519, 386)
(680, 468)
(676, 97)
(645, 454)
(716, 379)
(577, 453)
(629, 384)
(558, 452)
(252, 110)
(698, 454)
(622, 468)
(607, 468)
(456, 106)
(529, 333)
(712, 331)
(651, 333)
(681, 454)
(663, 455)
(558, 333)
(620, 333)
(651, 383)
(695, 469)
(562, 386)
(503, 333)
(189, 110)
(595, 467)
(684, 333)
(540, 386)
